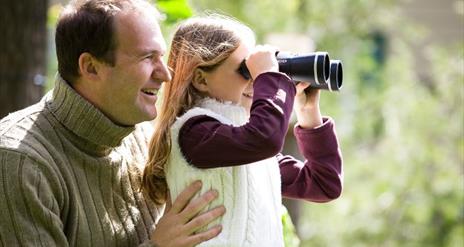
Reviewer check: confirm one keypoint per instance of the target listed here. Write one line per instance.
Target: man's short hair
(88, 26)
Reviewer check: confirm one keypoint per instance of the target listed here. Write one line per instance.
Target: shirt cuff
(319, 140)
(327, 123)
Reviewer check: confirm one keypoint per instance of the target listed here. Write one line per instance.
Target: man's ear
(89, 66)
(199, 80)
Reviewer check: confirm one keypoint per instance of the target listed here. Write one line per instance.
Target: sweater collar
(234, 112)
(84, 119)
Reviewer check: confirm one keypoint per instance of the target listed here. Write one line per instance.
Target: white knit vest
(251, 193)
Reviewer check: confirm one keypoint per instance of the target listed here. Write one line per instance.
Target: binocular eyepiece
(315, 68)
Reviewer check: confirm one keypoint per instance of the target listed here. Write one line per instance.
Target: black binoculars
(315, 68)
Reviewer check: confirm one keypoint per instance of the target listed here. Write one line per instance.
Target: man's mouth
(151, 92)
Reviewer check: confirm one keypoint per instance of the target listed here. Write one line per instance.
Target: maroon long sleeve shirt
(207, 143)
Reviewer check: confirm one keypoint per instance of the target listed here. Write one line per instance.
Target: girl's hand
(306, 106)
(262, 59)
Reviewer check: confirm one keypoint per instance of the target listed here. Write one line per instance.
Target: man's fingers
(204, 236)
(184, 197)
(204, 219)
(196, 205)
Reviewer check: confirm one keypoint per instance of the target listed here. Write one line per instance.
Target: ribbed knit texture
(251, 193)
(69, 176)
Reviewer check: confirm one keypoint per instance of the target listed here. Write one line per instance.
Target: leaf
(175, 10)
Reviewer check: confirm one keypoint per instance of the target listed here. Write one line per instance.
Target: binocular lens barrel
(315, 68)
(312, 67)
(335, 79)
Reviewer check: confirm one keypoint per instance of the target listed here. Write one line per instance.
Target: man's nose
(161, 72)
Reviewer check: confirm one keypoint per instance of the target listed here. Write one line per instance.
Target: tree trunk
(22, 53)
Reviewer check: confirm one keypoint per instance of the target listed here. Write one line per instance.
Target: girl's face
(226, 84)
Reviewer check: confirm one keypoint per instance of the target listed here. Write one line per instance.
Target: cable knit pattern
(69, 176)
(250, 193)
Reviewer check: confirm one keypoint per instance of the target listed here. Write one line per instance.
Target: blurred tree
(22, 53)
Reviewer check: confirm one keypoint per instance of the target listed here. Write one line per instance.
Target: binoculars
(315, 68)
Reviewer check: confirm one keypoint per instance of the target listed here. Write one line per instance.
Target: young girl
(227, 131)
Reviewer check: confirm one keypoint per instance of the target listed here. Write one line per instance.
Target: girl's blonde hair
(200, 42)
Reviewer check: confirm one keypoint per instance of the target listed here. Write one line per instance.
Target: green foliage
(52, 15)
(290, 237)
(174, 10)
(52, 64)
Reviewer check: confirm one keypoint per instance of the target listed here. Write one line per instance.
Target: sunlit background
(399, 115)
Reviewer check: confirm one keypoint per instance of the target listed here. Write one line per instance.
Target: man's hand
(177, 226)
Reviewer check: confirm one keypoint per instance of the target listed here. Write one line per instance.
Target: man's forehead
(139, 31)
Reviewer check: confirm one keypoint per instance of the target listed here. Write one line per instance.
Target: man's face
(129, 89)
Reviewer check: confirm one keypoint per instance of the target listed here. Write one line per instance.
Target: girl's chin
(246, 102)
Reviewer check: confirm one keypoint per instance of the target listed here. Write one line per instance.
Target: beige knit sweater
(71, 177)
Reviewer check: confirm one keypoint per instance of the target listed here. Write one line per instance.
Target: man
(70, 165)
